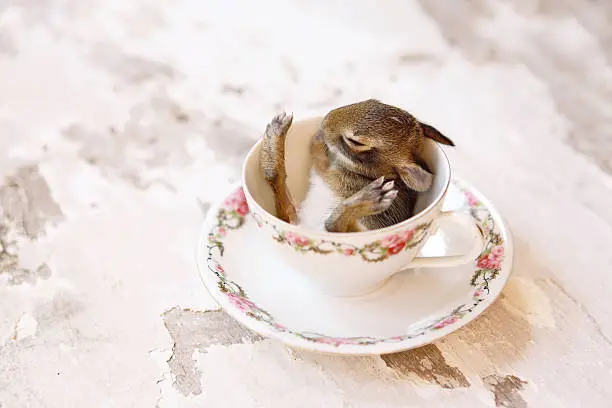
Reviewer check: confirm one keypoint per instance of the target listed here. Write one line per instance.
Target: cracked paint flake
(506, 390)
(18, 275)
(25, 327)
(27, 207)
(428, 364)
(193, 330)
(26, 201)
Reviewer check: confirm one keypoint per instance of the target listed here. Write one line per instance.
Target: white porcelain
(353, 264)
(241, 271)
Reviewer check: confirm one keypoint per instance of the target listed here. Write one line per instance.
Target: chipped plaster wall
(121, 121)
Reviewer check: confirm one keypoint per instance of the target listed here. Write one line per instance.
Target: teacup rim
(310, 232)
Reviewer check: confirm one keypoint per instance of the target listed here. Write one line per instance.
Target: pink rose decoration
(237, 202)
(446, 322)
(493, 261)
(330, 340)
(478, 293)
(395, 243)
(348, 251)
(243, 304)
(239, 194)
(498, 251)
(397, 240)
(296, 240)
(301, 241)
(222, 231)
(396, 248)
(471, 199)
(243, 209)
(219, 269)
(406, 235)
(279, 327)
(489, 261)
(483, 262)
(291, 237)
(390, 241)
(493, 264)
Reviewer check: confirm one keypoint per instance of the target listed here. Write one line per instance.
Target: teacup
(356, 263)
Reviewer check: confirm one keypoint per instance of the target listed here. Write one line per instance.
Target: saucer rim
(351, 349)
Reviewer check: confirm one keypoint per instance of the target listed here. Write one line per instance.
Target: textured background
(121, 120)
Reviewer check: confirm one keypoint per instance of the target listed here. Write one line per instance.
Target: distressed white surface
(26, 327)
(95, 93)
(526, 299)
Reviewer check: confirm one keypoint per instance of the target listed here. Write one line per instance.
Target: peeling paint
(18, 275)
(158, 135)
(193, 330)
(26, 209)
(26, 201)
(154, 137)
(500, 336)
(506, 390)
(427, 363)
(141, 85)
(9, 259)
(25, 327)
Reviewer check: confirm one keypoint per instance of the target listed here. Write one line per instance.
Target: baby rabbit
(367, 167)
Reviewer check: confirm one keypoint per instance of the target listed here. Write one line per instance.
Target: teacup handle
(478, 245)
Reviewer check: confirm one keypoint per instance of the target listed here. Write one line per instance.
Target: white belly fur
(318, 205)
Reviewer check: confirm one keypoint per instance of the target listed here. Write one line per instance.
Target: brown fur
(357, 148)
(272, 162)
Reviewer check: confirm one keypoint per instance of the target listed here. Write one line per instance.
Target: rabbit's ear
(432, 133)
(415, 177)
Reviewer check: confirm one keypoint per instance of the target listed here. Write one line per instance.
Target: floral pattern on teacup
(232, 214)
(237, 203)
(372, 252)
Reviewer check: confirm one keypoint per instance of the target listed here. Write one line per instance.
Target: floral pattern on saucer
(231, 216)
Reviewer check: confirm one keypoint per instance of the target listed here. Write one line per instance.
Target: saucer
(413, 308)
